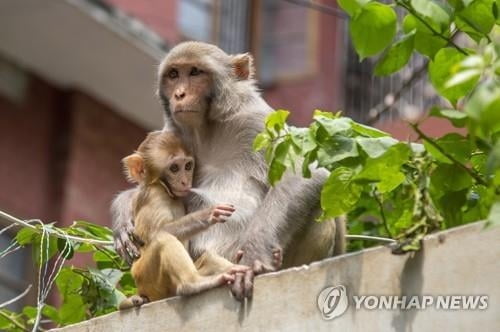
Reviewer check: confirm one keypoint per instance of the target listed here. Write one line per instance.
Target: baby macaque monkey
(164, 170)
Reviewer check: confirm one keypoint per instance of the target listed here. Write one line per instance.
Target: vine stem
(426, 138)
(61, 236)
(369, 237)
(412, 11)
(382, 213)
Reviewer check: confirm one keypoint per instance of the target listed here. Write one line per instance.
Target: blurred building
(77, 84)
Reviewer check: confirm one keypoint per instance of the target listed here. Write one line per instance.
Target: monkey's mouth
(185, 111)
(181, 193)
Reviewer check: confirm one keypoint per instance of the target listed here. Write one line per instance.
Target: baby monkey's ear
(134, 168)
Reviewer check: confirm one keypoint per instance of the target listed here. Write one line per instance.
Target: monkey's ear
(243, 66)
(134, 168)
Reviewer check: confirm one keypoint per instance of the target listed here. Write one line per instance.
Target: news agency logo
(332, 302)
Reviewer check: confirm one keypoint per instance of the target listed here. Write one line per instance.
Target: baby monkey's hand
(220, 213)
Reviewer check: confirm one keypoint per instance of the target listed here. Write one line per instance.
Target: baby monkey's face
(178, 175)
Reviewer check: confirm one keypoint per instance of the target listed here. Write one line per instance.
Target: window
(196, 19)
(222, 22)
(286, 41)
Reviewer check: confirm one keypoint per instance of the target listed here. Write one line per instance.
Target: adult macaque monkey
(212, 103)
(164, 170)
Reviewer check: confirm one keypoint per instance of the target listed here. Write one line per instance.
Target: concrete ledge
(461, 261)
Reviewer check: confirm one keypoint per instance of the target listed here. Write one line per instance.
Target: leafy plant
(84, 292)
(404, 190)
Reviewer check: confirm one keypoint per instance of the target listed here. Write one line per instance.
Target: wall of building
(98, 141)
(61, 154)
(26, 132)
(159, 15)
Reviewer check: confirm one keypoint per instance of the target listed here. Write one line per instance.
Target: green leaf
(276, 120)
(367, 130)
(339, 194)
(309, 158)
(375, 147)
(457, 118)
(444, 66)
(477, 19)
(261, 141)
(30, 312)
(68, 282)
(69, 285)
(334, 126)
(397, 56)
(65, 248)
(453, 144)
(425, 41)
(303, 138)
(276, 170)
(26, 235)
(49, 248)
(451, 204)
(437, 11)
(473, 61)
(386, 169)
(72, 310)
(352, 7)
(51, 313)
(483, 107)
(450, 177)
(373, 28)
(494, 216)
(96, 231)
(492, 165)
(329, 115)
(463, 77)
(337, 148)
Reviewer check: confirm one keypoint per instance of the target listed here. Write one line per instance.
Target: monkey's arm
(123, 227)
(284, 211)
(195, 222)
(189, 225)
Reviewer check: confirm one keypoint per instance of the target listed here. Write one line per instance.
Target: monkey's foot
(139, 300)
(133, 301)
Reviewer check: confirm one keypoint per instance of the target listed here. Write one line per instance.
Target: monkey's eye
(195, 71)
(189, 166)
(174, 168)
(173, 73)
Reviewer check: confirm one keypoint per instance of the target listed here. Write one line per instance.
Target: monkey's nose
(180, 95)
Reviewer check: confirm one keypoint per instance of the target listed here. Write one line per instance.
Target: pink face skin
(188, 88)
(178, 175)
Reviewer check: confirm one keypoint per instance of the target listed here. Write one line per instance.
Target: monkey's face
(187, 86)
(178, 175)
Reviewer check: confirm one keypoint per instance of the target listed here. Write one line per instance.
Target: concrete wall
(462, 261)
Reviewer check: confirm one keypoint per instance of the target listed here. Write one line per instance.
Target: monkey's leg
(204, 283)
(316, 242)
(179, 272)
(209, 263)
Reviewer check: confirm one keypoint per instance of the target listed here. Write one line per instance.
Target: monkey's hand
(220, 213)
(126, 243)
(243, 283)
